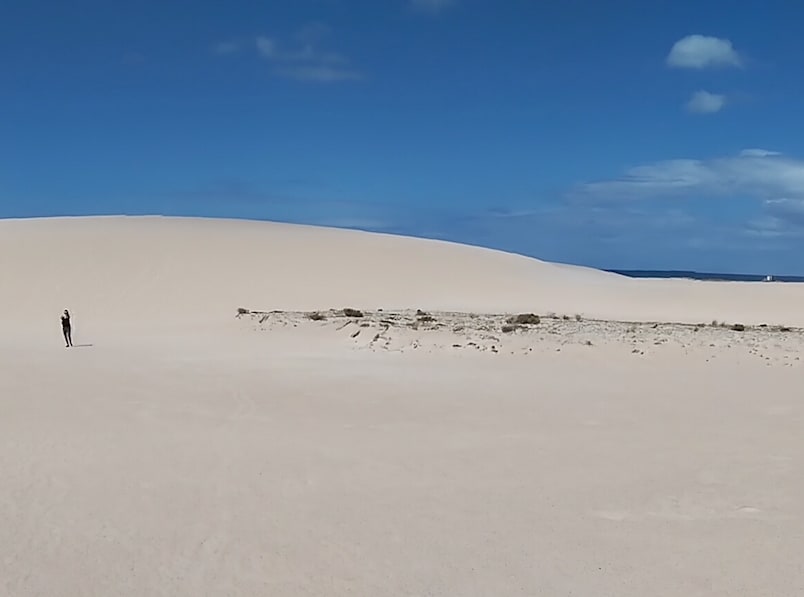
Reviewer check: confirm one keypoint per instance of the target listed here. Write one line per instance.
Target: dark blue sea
(639, 273)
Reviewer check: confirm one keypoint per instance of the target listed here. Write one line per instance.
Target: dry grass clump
(347, 312)
(524, 319)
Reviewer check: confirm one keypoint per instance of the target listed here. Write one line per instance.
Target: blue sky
(616, 134)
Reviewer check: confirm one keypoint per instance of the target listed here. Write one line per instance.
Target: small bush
(509, 328)
(352, 313)
(316, 316)
(524, 319)
(242, 311)
(578, 317)
(738, 327)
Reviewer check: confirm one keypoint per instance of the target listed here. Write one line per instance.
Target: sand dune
(185, 450)
(153, 271)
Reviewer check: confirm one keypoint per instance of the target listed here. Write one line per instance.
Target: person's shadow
(82, 345)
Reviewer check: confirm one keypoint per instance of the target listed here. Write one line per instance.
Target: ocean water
(704, 276)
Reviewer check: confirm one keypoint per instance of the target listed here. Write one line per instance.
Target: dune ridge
(163, 270)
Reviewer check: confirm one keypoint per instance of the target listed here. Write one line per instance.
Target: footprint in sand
(748, 510)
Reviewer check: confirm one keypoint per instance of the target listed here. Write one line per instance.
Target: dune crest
(160, 271)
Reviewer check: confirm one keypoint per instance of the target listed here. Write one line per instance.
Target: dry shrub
(524, 319)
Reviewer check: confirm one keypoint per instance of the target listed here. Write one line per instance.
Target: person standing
(67, 328)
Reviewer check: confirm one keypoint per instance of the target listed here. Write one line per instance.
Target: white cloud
(753, 173)
(306, 62)
(432, 6)
(700, 51)
(703, 102)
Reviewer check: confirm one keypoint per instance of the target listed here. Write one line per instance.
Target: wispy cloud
(768, 180)
(301, 57)
(266, 47)
(753, 173)
(305, 60)
(269, 49)
(700, 51)
(432, 6)
(703, 102)
(781, 218)
(758, 153)
(786, 209)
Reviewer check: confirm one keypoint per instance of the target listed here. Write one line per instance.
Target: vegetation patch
(524, 319)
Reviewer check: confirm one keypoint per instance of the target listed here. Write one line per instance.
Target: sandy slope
(184, 451)
(279, 463)
(161, 270)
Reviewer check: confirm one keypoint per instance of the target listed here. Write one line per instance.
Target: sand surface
(615, 448)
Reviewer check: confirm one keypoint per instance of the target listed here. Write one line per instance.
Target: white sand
(190, 452)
